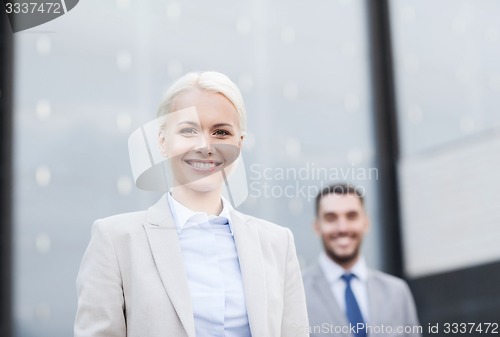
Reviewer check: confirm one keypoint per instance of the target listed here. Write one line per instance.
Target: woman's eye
(188, 132)
(222, 133)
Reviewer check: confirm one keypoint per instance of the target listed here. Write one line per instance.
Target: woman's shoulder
(119, 223)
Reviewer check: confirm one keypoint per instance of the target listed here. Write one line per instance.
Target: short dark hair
(341, 189)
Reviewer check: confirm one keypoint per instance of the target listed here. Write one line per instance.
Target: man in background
(345, 297)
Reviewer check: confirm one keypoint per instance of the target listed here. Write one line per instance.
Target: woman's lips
(203, 165)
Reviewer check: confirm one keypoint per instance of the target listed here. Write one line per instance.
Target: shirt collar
(334, 272)
(184, 216)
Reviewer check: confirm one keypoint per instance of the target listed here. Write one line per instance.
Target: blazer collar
(376, 296)
(165, 247)
(248, 246)
(159, 214)
(324, 292)
(375, 290)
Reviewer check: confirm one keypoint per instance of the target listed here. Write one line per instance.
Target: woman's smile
(203, 166)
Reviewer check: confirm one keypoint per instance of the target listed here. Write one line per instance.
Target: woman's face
(200, 142)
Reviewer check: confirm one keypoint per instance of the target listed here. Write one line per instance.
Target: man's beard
(341, 260)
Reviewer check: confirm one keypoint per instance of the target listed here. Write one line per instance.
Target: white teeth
(202, 166)
(344, 240)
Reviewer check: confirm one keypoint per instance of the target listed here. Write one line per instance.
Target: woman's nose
(204, 145)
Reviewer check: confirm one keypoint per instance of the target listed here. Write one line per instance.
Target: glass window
(86, 80)
(448, 85)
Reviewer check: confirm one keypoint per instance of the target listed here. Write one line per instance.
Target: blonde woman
(191, 265)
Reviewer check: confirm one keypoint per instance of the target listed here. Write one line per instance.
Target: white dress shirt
(334, 272)
(213, 271)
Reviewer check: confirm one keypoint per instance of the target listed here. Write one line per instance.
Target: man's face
(341, 223)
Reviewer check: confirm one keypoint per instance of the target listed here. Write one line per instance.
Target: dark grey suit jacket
(391, 307)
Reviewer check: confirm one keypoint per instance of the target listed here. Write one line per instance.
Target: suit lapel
(375, 300)
(246, 238)
(165, 248)
(325, 296)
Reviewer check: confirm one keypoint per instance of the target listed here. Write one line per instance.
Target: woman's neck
(209, 202)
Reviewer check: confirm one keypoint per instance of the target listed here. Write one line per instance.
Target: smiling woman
(201, 144)
(191, 265)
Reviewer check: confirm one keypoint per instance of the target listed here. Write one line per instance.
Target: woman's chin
(207, 184)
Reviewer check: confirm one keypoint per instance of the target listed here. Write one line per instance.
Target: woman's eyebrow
(219, 125)
(188, 122)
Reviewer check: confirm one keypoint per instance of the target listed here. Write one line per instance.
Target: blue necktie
(352, 308)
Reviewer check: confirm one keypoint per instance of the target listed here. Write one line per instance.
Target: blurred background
(401, 98)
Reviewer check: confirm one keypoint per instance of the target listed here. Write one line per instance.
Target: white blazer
(132, 281)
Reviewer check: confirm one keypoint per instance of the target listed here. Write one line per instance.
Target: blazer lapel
(376, 300)
(326, 297)
(246, 238)
(164, 242)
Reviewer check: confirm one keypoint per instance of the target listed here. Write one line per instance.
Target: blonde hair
(210, 81)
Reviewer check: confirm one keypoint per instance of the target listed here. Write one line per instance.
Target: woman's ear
(162, 142)
(240, 141)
